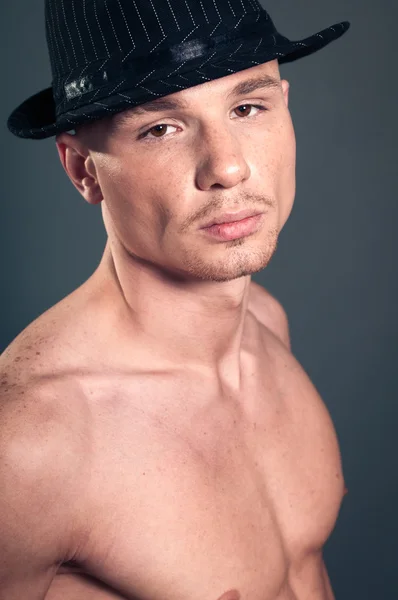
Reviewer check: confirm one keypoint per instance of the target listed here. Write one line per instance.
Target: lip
(227, 232)
(231, 217)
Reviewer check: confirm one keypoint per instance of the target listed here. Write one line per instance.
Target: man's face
(164, 174)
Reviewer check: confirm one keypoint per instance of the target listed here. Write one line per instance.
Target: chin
(232, 261)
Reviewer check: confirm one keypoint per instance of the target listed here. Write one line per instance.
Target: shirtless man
(159, 440)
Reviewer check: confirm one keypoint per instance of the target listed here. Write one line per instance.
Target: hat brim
(36, 117)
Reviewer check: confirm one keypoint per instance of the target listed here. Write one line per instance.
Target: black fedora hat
(109, 55)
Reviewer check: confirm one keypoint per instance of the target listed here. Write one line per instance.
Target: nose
(222, 162)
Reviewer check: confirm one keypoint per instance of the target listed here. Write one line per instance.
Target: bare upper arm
(36, 493)
(270, 312)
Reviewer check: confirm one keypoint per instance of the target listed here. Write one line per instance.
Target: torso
(190, 494)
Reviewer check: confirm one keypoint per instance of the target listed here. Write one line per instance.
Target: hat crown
(111, 55)
(80, 32)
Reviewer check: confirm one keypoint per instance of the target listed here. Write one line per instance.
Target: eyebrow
(244, 87)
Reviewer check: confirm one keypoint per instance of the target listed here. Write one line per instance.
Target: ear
(79, 166)
(285, 91)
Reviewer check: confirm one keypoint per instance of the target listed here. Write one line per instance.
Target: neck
(178, 324)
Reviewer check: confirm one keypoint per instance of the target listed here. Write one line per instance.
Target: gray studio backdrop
(334, 271)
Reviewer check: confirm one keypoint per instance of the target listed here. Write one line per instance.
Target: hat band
(70, 94)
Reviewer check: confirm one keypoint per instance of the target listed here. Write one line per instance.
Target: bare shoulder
(49, 345)
(41, 401)
(42, 408)
(43, 411)
(303, 405)
(42, 478)
(269, 312)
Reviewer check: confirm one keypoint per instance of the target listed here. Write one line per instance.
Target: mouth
(233, 230)
(231, 217)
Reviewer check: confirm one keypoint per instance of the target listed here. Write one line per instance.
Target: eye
(246, 106)
(158, 131)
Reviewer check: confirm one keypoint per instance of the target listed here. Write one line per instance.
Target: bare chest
(190, 494)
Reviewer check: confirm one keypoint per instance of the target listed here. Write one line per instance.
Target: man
(159, 440)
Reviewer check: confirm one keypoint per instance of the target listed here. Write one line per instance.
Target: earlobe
(91, 190)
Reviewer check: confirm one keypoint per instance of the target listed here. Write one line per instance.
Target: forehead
(239, 84)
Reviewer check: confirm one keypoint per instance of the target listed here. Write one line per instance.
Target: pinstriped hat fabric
(109, 55)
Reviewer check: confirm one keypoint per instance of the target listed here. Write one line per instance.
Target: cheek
(136, 203)
(118, 178)
(119, 183)
(131, 177)
(286, 175)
